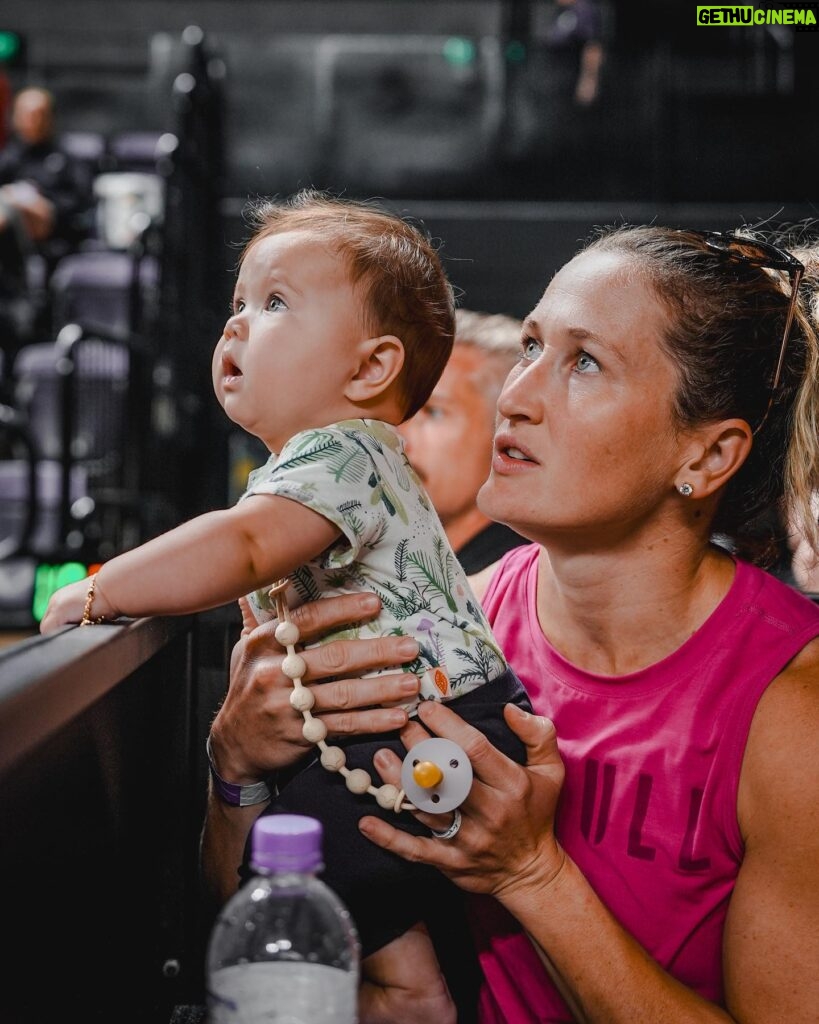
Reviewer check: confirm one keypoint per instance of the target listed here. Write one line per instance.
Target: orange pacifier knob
(426, 774)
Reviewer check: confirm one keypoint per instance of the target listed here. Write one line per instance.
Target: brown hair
(405, 290)
(724, 333)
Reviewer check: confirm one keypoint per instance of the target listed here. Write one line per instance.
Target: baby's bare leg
(402, 983)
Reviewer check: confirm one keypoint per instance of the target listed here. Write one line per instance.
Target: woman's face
(585, 447)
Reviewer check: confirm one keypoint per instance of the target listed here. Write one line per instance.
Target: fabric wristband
(231, 792)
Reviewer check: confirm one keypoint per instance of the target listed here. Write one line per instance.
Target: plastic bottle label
(282, 993)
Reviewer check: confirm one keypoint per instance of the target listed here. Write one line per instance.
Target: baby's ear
(380, 362)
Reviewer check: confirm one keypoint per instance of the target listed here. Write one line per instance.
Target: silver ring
(452, 831)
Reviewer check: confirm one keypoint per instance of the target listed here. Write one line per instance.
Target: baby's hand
(67, 605)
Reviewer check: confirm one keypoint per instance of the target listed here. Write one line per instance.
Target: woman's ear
(380, 362)
(716, 454)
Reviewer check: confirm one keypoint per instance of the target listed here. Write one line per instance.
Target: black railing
(101, 796)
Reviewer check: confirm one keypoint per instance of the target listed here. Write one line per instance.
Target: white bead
(287, 633)
(386, 797)
(302, 698)
(314, 730)
(358, 781)
(333, 759)
(294, 666)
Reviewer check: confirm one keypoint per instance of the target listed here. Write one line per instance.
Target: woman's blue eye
(587, 363)
(531, 349)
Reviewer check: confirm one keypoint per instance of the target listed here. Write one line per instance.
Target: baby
(342, 323)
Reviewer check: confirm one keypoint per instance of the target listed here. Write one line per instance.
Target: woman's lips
(511, 456)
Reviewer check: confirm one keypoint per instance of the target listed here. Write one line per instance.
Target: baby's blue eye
(274, 303)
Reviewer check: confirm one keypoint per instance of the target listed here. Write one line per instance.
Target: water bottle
(284, 949)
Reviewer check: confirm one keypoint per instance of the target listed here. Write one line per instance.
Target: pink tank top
(648, 809)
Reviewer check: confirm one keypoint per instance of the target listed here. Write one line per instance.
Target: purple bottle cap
(286, 842)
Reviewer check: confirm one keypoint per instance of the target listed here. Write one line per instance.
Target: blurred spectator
(804, 566)
(555, 119)
(449, 440)
(5, 105)
(576, 50)
(45, 205)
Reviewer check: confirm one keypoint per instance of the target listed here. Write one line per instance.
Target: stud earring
(686, 490)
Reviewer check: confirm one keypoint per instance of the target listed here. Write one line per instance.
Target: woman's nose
(521, 396)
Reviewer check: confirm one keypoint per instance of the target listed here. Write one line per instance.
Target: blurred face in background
(33, 116)
(449, 440)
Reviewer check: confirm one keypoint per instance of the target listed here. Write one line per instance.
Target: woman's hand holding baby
(506, 840)
(256, 731)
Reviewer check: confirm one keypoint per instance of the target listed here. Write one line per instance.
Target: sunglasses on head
(767, 257)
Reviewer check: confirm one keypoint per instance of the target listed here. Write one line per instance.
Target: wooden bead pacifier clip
(423, 778)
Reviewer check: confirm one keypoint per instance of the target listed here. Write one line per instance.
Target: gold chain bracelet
(86, 619)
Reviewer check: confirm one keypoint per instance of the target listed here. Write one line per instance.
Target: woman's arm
(206, 562)
(772, 929)
(256, 732)
(506, 847)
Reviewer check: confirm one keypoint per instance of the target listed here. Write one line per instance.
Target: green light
(515, 52)
(9, 45)
(460, 51)
(48, 578)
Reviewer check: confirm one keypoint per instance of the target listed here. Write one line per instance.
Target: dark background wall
(448, 111)
(373, 97)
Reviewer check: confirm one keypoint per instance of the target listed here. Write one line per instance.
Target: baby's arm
(403, 982)
(207, 562)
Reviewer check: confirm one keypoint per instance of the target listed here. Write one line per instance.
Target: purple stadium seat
(110, 290)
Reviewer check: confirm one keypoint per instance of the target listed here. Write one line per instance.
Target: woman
(656, 860)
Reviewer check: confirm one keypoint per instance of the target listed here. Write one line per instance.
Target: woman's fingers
(256, 730)
(437, 852)
(388, 764)
(351, 707)
(351, 657)
(488, 763)
(317, 618)
(314, 620)
(505, 827)
(441, 720)
(495, 775)
(540, 739)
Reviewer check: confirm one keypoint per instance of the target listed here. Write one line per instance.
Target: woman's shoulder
(803, 670)
(773, 599)
(783, 744)
(787, 715)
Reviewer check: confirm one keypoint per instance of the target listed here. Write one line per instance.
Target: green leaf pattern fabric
(355, 473)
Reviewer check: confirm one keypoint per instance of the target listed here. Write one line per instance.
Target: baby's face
(290, 347)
